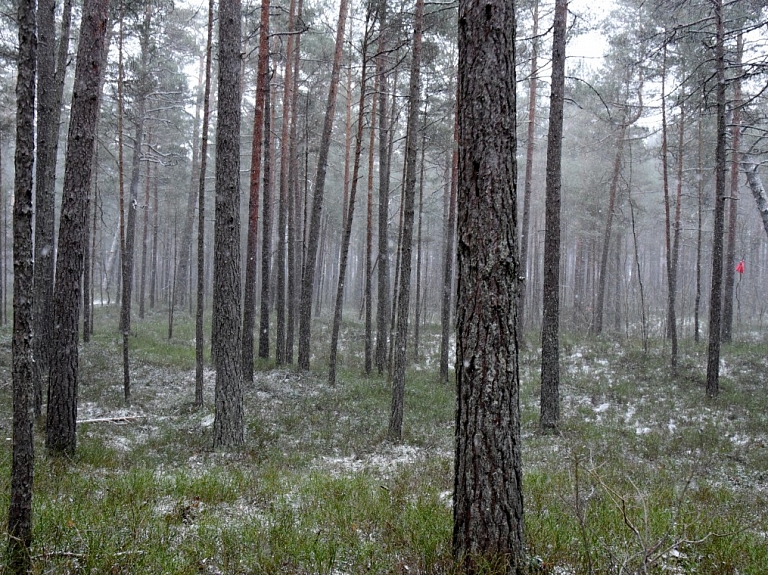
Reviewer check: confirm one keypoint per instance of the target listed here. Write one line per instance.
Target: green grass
(645, 474)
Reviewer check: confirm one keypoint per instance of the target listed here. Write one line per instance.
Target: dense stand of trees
(630, 212)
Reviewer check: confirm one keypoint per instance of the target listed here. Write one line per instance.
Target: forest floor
(645, 475)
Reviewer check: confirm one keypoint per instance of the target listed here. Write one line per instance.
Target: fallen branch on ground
(121, 419)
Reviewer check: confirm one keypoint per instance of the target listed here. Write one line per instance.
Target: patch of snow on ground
(737, 439)
(383, 463)
(671, 426)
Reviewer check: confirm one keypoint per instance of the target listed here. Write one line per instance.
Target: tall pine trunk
(130, 231)
(673, 261)
(144, 237)
(185, 251)
(550, 329)
(528, 190)
(715, 297)
(293, 203)
(419, 250)
(383, 308)
(228, 418)
(349, 213)
(733, 205)
(409, 195)
(45, 172)
(61, 436)
(699, 225)
(23, 458)
(488, 500)
(266, 228)
(249, 301)
(285, 147)
(200, 307)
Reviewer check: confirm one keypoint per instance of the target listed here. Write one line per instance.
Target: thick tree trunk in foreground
(550, 327)
(49, 117)
(228, 422)
(22, 466)
(715, 297)
(308, 277)
(488, 501)
(61, 434)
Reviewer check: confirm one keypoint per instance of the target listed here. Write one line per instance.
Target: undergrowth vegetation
(645, 476)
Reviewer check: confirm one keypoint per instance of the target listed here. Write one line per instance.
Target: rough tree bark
(23, 365)
(49, 118)
(550, 327)
(61, 436)
(266, 228)
(488, 500)
(45, 174)
(715, 297)
(228, 421)
(308, 277)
